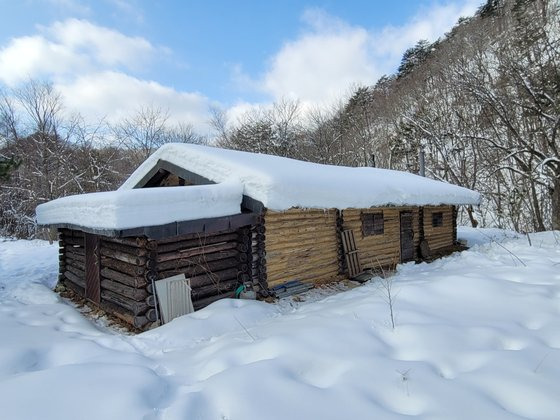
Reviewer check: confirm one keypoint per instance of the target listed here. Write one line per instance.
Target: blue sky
(108, 57)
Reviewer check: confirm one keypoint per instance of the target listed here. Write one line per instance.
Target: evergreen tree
(7, 166)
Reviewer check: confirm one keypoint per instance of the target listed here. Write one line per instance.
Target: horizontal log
(137, 242)
(122, 256)
(197, 242)
(299, 214)
(196, 251)
(317, 243)
(259, 229)
(302, 252)
(124, 315)
(151, 276)
(278, 240)
(76, 271)
(193, 270)
(207, 278)
(318, 276)
(73, 241)
(132, 281)
(151, 315)
(294, 249)
(137, 308)
(131, 250)
(214, 289)
(123, 267)
(75, 279)
(75, 250)
(199, 259)
(287, 266)
(151, 300)
(202, 303)
(74, 263)
(275, 272)
(383, 248)
(305, 223)
(298, 228)
(126, 291)
(190, 236)
(76, 288)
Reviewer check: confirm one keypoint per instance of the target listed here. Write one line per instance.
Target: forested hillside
(483, 103)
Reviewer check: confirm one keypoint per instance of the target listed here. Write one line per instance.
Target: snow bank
(477, 337)
(143, 207)
(281, 183)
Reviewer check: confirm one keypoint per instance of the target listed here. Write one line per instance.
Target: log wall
(442, 236)
(72, 260)
(384, 250)
(302, 244)
(216, 265)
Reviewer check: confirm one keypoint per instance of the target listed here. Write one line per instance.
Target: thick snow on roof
(282, 183)
(143, 207)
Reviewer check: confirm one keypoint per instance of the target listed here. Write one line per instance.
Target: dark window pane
(437, 219)
(372, 224)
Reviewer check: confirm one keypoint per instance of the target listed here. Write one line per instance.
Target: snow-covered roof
(127, 209)
(282, 183)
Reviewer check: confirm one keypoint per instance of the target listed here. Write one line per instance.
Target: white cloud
(331, 55)
(391, 42)
(105, 46)
(93, 66)
(114, 95)
(70, 47)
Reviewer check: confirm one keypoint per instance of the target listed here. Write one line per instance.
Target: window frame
(373, 224)
(437, 219)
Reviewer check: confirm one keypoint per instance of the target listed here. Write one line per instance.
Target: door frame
(401, 214)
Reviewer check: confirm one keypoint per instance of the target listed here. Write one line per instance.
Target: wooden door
(407, 237)
(93, 287)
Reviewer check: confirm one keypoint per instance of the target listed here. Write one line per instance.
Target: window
(437, 219)
(372, 224)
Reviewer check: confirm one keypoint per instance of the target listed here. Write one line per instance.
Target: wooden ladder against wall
(351, 253)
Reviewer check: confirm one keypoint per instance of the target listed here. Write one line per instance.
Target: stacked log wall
(258, 257)
(302, 244)
(126, 273)
(442, 236)
(72, 260)
(381, 250)
(216, 264)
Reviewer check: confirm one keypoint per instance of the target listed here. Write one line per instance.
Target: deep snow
(143, 207)
(281, 183)
(477, 336)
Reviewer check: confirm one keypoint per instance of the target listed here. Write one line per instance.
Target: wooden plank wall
(439, 237)
(380, 250)
(302, 244)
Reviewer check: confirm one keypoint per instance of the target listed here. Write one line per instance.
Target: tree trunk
(556, 204)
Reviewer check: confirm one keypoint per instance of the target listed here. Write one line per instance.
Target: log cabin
(230, 220)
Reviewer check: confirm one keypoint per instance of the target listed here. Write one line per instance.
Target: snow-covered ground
(477, 337)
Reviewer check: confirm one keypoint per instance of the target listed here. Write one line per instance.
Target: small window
(372, 224)
(437, 219)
